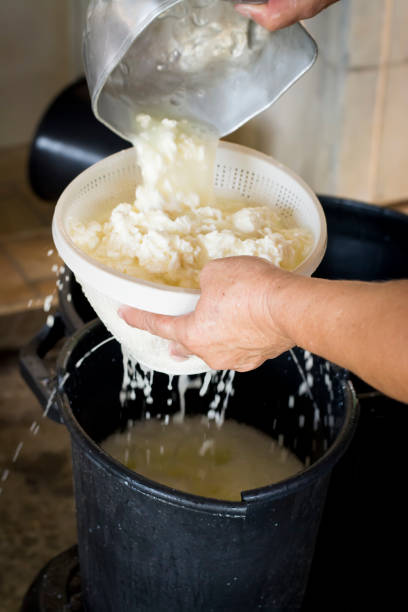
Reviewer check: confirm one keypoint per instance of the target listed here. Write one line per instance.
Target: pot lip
(166, 494)
(379, 212)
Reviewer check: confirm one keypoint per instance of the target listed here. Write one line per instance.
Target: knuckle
(163, 325)
(215, 363)
(148, 323)
(187, 336)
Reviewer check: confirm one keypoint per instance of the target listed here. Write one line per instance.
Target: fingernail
(122, 312)
(178, 358)
(244, 10)
(178, 352)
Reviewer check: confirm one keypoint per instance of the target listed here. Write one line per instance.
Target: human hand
(234, 325)
(276, 14)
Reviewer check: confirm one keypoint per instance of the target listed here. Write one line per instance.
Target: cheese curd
(175, 225)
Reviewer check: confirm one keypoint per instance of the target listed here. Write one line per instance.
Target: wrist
(286, 302)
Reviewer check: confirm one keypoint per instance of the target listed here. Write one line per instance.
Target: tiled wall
(40, 55)
(344, 126)
(28, 261)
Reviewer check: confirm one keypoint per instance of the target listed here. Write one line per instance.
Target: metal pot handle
(42, 382)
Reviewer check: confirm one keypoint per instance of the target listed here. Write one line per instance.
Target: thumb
(272, 15)
(159, 325)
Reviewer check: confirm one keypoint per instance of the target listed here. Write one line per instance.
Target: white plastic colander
(240, 173)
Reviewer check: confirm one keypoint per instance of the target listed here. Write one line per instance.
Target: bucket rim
(165, 494)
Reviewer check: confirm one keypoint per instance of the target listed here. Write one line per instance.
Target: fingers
(274, 15)
(159, 325)
(278, 14)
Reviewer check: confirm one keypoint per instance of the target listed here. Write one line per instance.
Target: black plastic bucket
(146, 547)
(68, 140)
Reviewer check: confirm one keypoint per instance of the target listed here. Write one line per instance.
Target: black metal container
(364, 242)
(145, 547)
(364, 516)
(68, 140)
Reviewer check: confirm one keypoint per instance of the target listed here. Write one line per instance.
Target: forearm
(362, 327)
(250, 311)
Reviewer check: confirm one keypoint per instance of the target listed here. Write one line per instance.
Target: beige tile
(16, 214)
(36, 40)
(13, 163)
(20, 116)
(330, 29)
(392, 180)
(18, 328)
(37, 515)
(15, 293)
(42, 29)
(356, 136)
(399, 37)
(43, 210)
(45, 288)
(31, 255)
(14, 183)
(365, 32)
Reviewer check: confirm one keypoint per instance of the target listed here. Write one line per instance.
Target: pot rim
(166, 494)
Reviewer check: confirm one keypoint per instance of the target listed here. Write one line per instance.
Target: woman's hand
(276, 14)
(250, 311)
(233, 326)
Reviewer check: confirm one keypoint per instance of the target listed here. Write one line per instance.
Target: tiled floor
(28, 262)
(37, 519)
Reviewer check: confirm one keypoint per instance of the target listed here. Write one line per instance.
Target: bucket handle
(42, 382)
